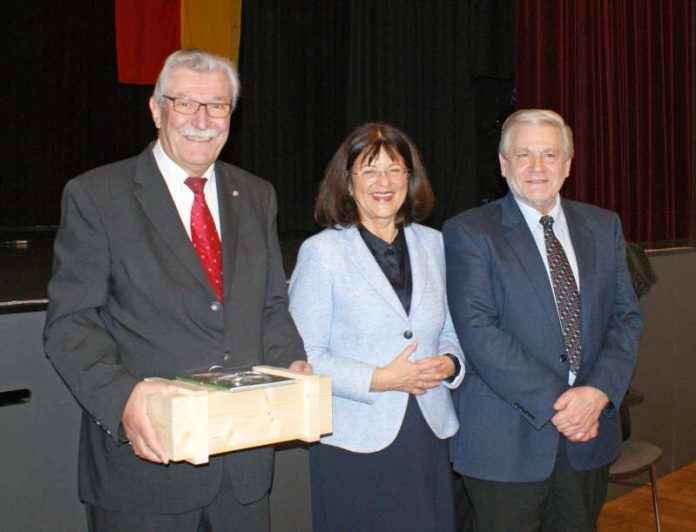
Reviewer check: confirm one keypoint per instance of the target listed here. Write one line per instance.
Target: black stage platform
(25, 265)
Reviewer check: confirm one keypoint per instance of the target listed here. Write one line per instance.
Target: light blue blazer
(352, 321)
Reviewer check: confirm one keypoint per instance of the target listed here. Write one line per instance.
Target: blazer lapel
(156, 201)
(230, 199)
(583, 245)
(418, 257)
(521, 240)
(366, 264)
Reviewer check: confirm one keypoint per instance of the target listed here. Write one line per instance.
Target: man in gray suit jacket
(131, 298)
(542, 302)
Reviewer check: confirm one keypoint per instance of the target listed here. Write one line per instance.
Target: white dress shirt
(174, 177)
(560, 229)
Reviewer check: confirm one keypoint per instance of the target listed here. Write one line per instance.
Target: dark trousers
(406, 487)
(568, 500)
(463, 511)
(224, 513)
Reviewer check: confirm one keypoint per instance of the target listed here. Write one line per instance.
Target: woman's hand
(442, 365)
(412, 377)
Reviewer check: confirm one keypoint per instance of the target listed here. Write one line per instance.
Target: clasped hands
(577, 413)
(136, 422)
(414, 377)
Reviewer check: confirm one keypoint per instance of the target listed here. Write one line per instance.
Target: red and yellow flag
(147, 31)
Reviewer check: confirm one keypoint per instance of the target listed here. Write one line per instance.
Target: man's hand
(411, 377)
(578, 413)
(301, 366)
(136, 422)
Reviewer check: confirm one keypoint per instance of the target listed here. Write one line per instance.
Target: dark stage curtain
(62, 109)
(442, 70)
(621, 75)
(311, 71)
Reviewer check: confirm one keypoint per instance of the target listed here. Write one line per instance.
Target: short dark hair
(335, 205)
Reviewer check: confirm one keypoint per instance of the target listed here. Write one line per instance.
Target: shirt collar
(379, 246)
(532, 216)
(172, 171)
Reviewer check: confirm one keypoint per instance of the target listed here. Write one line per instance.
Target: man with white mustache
(168, 263)
(199, 134)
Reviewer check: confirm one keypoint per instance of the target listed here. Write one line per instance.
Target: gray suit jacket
(503, 309)
(352, 321)
(129, 300)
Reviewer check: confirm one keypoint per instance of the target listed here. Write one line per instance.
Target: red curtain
(147, 31)
(620, 73)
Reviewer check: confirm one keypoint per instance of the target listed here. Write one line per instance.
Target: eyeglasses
(371, 172)
(187, 106)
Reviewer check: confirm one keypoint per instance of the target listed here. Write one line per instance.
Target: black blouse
(394, 262)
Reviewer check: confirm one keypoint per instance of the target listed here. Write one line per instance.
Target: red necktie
(204, 236)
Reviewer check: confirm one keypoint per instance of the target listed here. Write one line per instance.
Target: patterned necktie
(204, 236)
(566, 292)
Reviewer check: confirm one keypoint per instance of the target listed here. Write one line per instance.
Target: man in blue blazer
(542, 302)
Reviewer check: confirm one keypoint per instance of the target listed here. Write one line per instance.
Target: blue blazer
(504, 312)
(352, 321)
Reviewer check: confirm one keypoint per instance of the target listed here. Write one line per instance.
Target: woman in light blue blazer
(369, 299)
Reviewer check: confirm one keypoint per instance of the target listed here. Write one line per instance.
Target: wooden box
(197, 421)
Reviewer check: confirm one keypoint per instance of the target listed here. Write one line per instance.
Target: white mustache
(199, 134)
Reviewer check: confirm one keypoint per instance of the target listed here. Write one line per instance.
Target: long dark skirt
(405, 487)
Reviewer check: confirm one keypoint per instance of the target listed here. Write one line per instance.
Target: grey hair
(198, 61)
(537, 116)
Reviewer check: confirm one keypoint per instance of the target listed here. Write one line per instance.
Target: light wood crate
(197, 422)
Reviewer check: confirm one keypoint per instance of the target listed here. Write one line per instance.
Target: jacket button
(215, 306)
(408, 335)
(562, 358)
(227, 357)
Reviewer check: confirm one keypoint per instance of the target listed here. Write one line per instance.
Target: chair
(636, 457)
